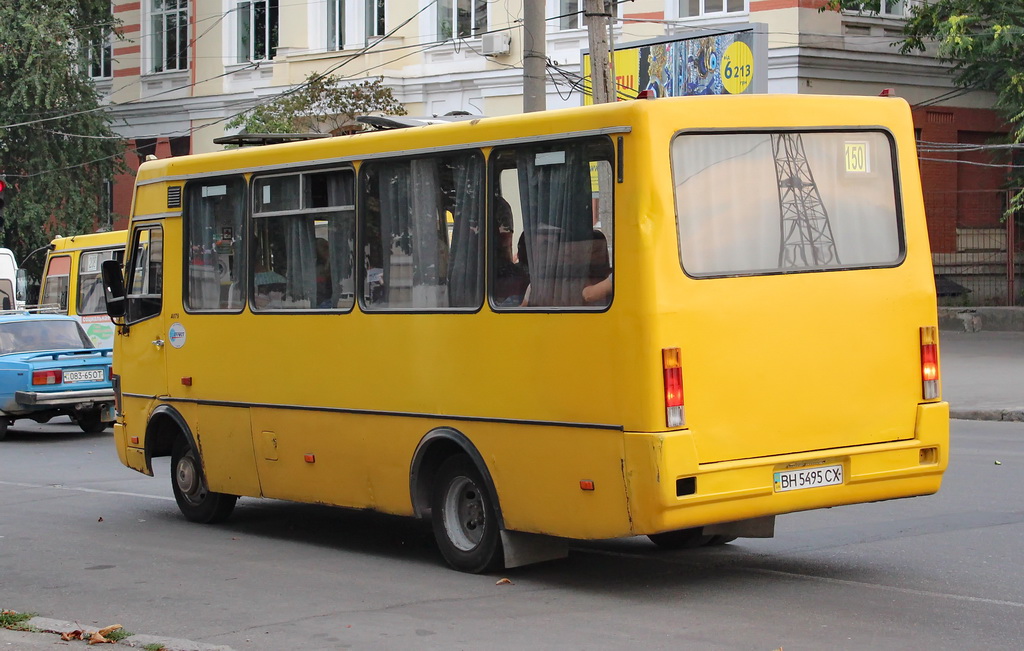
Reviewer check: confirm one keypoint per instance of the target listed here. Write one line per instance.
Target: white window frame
(157, 37)
(247, 9)
(563, 7)
(703, 12)
(453, 17)
(886, 9)
(104, 48)
(375, 12)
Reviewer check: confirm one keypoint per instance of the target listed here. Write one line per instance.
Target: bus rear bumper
(669, 489)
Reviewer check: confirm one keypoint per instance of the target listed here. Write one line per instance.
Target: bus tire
(681, 538)
(719, 539)
(195, 500)
(463, 518)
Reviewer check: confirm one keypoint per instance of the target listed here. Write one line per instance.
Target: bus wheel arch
(451, 485)
(169, 435)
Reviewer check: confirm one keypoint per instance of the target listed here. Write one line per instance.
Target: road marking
(882, 586)
(823, 579)
(84, 490)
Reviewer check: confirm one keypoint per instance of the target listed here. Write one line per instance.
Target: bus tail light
(930, 362)
(673, 371)
(47, 377)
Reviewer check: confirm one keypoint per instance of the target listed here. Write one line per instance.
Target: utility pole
(534, 56)
(598, 17)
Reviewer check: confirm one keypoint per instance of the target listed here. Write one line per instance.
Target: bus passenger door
(140, 360)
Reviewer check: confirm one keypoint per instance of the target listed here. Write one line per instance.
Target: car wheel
(195, 500)
(90, 422)
(681, 539)
(4, 424)
(463, 518)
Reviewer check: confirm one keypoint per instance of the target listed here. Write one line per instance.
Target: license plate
(791, 480)
(83, 376)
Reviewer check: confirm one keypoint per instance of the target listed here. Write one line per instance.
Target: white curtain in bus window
(564, 198)
(214, 214)
(304, 234)
(423, 222)
(750, 203)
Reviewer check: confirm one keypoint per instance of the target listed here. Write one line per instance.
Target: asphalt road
(83, 538)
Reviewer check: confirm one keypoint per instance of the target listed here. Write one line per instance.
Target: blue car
(49, 367)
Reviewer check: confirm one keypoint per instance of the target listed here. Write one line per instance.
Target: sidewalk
(983, 374)
(48, 637)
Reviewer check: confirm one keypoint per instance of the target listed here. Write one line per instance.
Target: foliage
(322, 104)
(56, 167)
(984, 40)
(14, 620)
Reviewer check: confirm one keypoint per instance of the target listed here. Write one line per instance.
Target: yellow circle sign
(737, 68)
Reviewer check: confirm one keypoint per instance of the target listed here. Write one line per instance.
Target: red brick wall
(957, 194)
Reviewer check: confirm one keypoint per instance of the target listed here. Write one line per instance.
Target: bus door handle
(159, 343)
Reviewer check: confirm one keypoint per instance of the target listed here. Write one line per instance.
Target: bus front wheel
(196, 501)
(463, 518)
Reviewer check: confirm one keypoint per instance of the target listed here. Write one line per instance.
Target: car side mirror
(113, 288)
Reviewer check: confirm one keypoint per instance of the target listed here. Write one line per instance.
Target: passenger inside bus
(510, 277)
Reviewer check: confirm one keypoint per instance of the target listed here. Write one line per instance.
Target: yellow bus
(677, 318)
(72, 283)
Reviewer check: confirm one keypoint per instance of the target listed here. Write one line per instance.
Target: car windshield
(28, 336)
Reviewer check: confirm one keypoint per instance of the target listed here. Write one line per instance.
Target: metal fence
(987, 267)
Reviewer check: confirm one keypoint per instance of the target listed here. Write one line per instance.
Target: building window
(461, 18)
(99, 58)
(569, 14)
(887, 8)
(169, 20)
(335, 24)
(375, 18)
(257, 30)
(694, 8)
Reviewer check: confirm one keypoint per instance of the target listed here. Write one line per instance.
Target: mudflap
(528, 548)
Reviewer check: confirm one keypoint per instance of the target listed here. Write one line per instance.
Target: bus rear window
(765, 203)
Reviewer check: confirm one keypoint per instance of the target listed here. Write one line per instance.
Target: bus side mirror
(21, 286)
(113, 288)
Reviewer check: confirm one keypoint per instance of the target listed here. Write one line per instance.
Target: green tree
(322, 104)
(56, 145)
(984, 41)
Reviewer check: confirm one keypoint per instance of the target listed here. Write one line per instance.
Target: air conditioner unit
(495, 44)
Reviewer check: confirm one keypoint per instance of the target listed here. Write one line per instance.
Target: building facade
(178, 70)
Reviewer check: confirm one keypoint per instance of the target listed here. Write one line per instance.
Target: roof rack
(386, 122)
(250, 139)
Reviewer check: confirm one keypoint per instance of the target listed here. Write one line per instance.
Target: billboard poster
(727, 62)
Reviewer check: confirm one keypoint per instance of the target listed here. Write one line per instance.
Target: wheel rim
(464, 514)
(186, 477)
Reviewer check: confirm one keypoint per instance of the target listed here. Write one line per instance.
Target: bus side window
(214, 214)
(304, 241)
(562, 205)
(55, 284)
(411, 261)
(145, 280)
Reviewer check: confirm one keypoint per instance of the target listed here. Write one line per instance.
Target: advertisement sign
(722, 62)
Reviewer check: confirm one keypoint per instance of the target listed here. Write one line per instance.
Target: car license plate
(83, 376)
(791, 480)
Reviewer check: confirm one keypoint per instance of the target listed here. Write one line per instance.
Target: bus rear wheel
(195, 500)
(681, 538)
(463, 518)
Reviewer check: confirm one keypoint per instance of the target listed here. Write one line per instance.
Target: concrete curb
(1004, 415)
(57, 626)
(976, 319)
